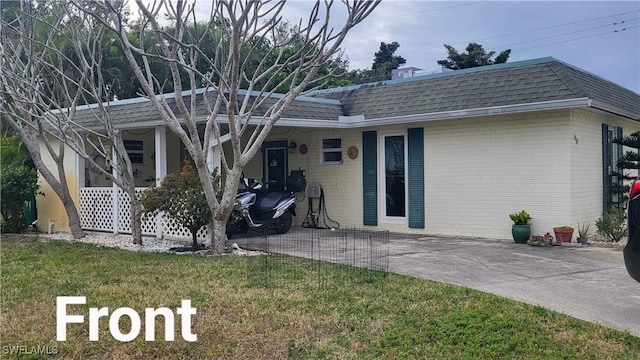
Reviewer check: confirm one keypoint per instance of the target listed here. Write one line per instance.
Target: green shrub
(612, 224)
(182, 198)
(520, 218)
(18, 184)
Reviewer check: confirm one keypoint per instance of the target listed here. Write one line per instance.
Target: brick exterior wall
(477, 171)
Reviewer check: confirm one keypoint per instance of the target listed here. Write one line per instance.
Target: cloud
(588, 35)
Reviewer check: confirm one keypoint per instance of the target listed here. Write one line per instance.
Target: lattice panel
(124, 212)
(148, 221)
(173, 230)
(96, 208)
(96, 213)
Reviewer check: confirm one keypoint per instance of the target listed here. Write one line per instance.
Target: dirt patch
(23, 239)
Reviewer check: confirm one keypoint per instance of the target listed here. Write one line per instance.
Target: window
(332, 151)
(135, 150)
(394, 176)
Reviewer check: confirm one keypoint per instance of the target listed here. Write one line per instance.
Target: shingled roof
(538, 81)
(525, 82)
(140, 111)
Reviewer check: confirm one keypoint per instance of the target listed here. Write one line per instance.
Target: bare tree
(238, 29)
(50, 64)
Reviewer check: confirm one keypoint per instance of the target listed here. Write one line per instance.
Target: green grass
(311, 313)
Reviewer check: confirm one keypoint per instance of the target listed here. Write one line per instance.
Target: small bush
(612, 224)
(17, 185)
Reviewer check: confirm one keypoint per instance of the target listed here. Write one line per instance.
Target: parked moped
(265, 209)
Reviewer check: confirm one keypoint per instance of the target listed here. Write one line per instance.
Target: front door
(275, 164)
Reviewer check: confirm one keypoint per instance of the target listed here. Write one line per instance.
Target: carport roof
(536, 84)
(140, 111)
(523, 82)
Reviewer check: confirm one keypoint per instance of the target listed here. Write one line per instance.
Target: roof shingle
(525, 82)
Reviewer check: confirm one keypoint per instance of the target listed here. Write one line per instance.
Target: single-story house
(451, 153)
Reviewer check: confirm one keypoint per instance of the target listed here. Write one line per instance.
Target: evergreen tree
(630, 160)
(474, 56)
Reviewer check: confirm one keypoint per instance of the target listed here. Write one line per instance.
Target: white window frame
(382, 180)
(324, 151)
(135, 151)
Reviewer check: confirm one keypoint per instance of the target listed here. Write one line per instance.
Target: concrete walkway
(589, 283)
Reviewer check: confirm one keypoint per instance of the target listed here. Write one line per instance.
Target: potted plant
(521, 230)
(537, 240)
(583, 233)
(563, 234)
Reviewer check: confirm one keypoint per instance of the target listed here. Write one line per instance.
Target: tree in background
(385, 60)
(474, 56)
(630, 160)
(239, 77)
(612, 224)
(51, 62)
(18, 184)
(13, 152)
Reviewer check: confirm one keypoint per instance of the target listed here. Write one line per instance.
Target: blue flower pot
(521, 233)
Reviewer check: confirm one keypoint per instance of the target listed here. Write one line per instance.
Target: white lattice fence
(96, 213)
(124, 215)
(96, 208)
(172, 230)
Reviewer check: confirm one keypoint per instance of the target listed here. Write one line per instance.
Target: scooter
(265, 209)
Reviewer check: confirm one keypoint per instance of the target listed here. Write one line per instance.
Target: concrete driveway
(589, 283)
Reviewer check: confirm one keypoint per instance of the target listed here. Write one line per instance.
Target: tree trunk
(136, 221)
(194, 239)
(60, 188)
(74, 219)
(219, 240)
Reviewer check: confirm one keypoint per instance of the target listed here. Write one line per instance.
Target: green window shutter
(370, 178)
(606, 163)
(416, 177)
(619, 170)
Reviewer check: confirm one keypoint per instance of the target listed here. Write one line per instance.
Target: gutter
(359, 121)
(486, 111)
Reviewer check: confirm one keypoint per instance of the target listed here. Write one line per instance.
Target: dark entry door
(275, 164)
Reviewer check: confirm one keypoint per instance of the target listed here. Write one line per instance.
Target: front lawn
(312, 312)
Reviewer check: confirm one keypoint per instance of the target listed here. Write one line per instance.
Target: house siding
(586, 162)
(480, 170)
(50, 207)
(477, 171)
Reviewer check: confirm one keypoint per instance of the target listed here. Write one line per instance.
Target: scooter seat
(270, 200)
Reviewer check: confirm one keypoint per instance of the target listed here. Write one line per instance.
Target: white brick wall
(586, 162)
(480, 170)
(477, 171)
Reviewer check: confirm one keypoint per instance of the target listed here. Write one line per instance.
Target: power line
(549, 44)
(424, 11)
(583, 37)
(569, 33)
(525, 31)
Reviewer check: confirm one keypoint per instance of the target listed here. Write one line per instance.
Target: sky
(601, 37)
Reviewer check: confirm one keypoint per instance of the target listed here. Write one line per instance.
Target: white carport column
(114, 189)
(213, 156)
(161, 169)
(80, 171)
(80, 178)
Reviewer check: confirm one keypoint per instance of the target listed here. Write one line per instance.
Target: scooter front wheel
(284, 224)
